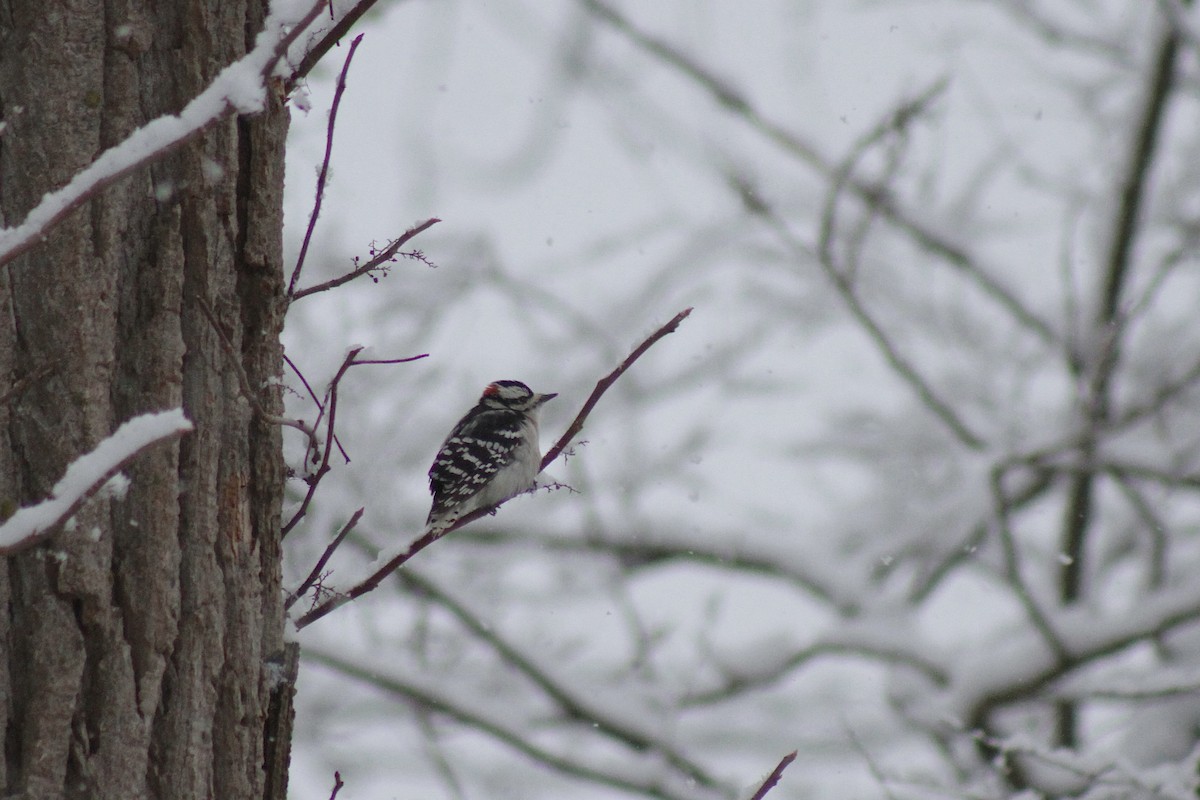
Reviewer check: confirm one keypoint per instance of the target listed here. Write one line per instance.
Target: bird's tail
(439, 524)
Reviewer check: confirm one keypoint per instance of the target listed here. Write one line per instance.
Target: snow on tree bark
(134, 645)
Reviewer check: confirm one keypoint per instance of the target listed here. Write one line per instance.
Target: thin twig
(901, 365)
(1156, 527)
(317, 402)
(329, 412)
(894, 121)
(772, 779)
(322, 561)
(373, 264)
(315, 478)
(872, 765)
(1012, 569)
(303, 380)
(323, 174)
(337, 785)
(604, 383)
(377, 577)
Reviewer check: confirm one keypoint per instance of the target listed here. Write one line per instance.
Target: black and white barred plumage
(491, 455)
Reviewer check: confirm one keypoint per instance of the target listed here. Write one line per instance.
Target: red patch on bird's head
(491, 390)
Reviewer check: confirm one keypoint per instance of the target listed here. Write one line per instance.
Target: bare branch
(929, 239)
(573, 706)
(1109, 328)
(1156, 529)
(373, 580)
(900, 364)
(315, 574)
(720, 548)
(329, 411)
(498, 728)
(317, 50)
(1012, 569)
(317, 402)
(604, 383)
(773, 778)
(845, 640)
(323, 174)
(375, 263)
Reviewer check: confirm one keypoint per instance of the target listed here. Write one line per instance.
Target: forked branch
(329, 413)
(240, 88)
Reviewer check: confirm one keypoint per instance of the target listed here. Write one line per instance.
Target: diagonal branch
(900, 364)
(375, 578)
(604, 383)
(87, 475)
(315, 573)
(316, 50)
(373, 264)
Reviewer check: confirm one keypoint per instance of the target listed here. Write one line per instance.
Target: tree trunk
(133, 644)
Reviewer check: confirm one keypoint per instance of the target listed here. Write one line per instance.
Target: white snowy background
(777, 542)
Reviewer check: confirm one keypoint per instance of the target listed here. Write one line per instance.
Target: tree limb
(374, 579)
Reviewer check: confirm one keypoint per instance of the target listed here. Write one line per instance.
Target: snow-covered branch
(1023, 665)
(240, 88)
(87, 475)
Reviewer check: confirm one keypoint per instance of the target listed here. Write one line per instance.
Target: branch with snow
(240, 88)
(87, 475)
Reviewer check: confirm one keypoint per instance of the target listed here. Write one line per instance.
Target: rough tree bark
(132, 648)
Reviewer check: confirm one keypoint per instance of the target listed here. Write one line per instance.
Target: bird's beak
(544, 397)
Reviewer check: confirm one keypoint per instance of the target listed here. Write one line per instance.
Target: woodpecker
(492, 454)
